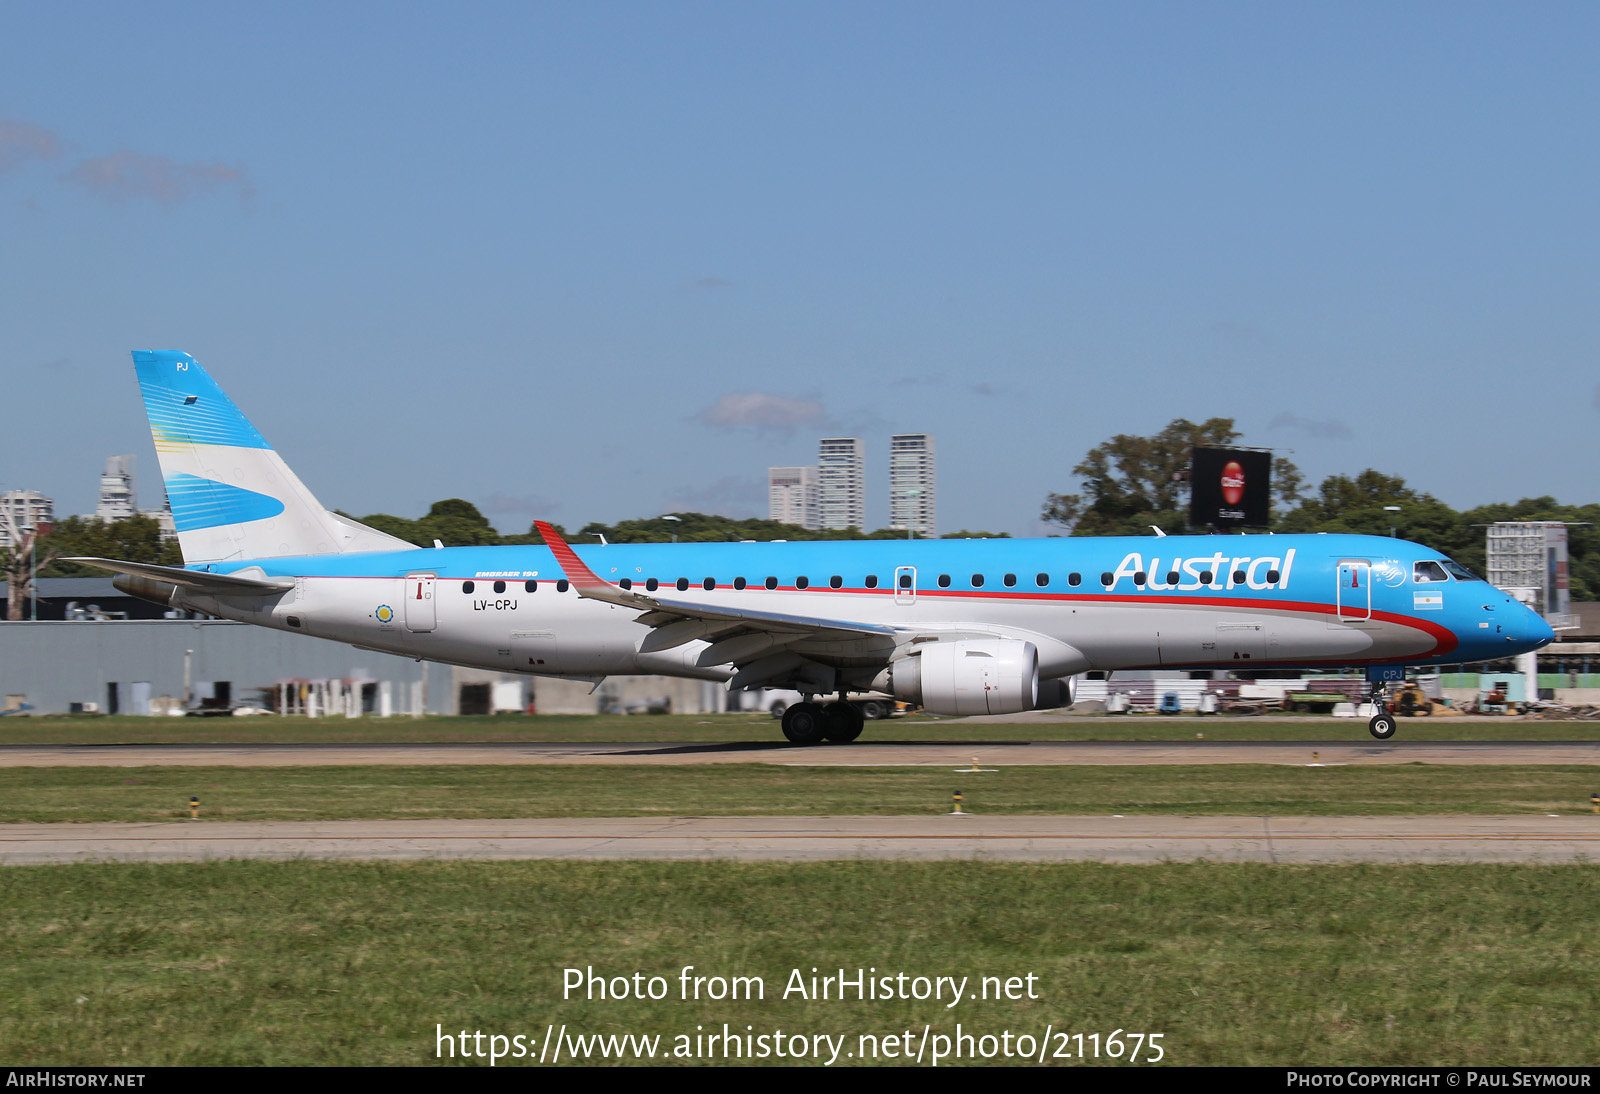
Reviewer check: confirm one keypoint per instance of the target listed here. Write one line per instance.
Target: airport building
(163, 666)
(913, 497)
(792, 496)
(841, 483)
(1528, 558)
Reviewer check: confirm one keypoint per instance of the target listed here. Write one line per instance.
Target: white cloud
(128, 174)
(1328, 428)
(762, 410)
(20, 142)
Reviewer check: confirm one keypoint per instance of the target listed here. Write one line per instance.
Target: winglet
(584, 580)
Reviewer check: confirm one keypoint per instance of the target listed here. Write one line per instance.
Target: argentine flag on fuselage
(232, 496)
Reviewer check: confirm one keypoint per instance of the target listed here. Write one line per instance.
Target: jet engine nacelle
(1054, 694)
(977, 676)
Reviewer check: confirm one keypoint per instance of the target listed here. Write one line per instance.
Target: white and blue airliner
(960, 627)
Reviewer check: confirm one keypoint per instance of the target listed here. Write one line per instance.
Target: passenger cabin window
(530, 586)
(1272, 577)
(626, 583)
(683, 584)
(1074, 580)
(1424, 572)
(708, 584)
(977, 581)
(738, 583)
(801, 583)
(652, 584)
(1011, 581)
(467, 586)
(944, 581)
(1107, 578)
(561, 586)
(836, 582)
(905, 581)
(1238, 577)
(1042, 580)
(499, 586)
(872, 581)
(1140, 578)
(772, 583)
(1172, 577)
(1206, 576)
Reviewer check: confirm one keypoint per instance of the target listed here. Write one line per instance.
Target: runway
(1282, 840)
(859, 754)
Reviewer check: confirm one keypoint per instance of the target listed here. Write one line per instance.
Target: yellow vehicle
(1411, 701)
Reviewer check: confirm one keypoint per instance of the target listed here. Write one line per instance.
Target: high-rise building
(116, 490)
(20, 510)
(792, 496)
(119, 497)
(841, 483)
(912, 494)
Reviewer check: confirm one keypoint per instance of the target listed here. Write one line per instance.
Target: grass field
(752, 727)
(323, 963)
(143, 794)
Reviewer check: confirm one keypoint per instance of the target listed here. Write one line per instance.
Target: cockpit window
(1460, 572)
(1424, 572)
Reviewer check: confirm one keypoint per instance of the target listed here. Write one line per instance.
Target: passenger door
(420, 611)
(1353, 591)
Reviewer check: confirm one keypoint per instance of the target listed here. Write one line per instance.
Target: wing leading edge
(674, 622)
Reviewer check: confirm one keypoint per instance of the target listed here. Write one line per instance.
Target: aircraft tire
(805, 724)
(844, 722)
(1382, 726)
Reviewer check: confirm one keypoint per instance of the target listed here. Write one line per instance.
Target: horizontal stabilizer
(199, 581)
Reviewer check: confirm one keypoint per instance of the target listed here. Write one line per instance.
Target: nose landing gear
(1382, 725)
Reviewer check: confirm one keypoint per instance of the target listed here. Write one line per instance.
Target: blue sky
(597, 261)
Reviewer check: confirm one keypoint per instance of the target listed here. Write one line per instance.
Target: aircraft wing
(678, 621)
(198, 580)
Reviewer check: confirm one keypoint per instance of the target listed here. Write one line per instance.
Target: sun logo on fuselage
(385, 613)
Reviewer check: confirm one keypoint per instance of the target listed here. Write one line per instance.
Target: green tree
(1358, 506)
(456, 523)
(453, 522)
(394, 526)
(136, 539)
(1133, 483)
(532, 535)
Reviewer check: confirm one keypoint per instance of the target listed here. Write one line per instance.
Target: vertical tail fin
(232, 495)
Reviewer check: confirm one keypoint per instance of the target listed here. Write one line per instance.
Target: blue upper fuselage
(1330, 574)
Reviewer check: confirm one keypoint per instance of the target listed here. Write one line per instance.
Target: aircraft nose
(1538, 630)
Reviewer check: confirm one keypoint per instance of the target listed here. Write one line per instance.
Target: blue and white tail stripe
(232, 496)
(205, 503)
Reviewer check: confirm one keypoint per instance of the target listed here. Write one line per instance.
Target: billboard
(1229, 487)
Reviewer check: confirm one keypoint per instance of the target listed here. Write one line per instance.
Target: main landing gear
(811, 723)
(1383, 724)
